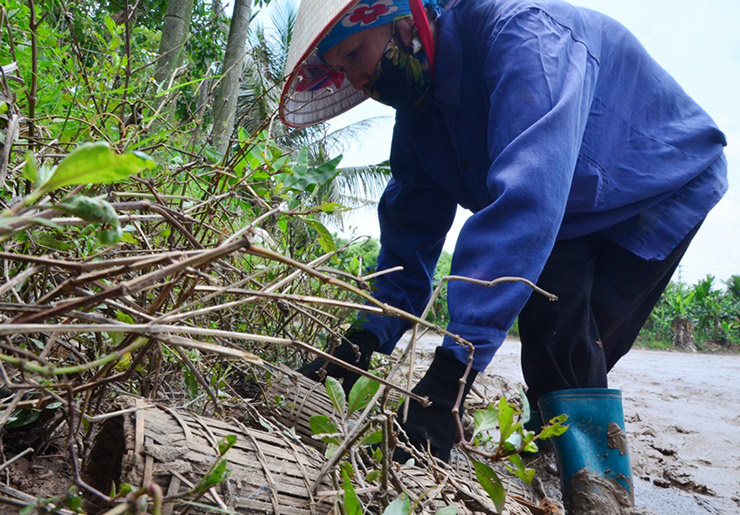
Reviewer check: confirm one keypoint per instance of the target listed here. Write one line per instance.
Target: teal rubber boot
(592, 455)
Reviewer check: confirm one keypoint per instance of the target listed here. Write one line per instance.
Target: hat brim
(305, 108)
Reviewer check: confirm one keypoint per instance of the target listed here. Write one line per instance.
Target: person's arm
(541, 82)
(414, 217)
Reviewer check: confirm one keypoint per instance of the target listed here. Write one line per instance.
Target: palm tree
(259, 97)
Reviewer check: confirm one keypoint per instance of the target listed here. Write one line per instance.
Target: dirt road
(683, 419)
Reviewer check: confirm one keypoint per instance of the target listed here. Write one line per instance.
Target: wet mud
(589, 494)
(617, 439)
(682, 419)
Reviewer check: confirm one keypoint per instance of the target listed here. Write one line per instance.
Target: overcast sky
(699, 44)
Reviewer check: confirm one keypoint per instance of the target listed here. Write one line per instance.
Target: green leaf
(519, 470)
(373, 438)
(110, 24)
(373, 475)
(127, 237)
(326, 241)
(491, 484)
(361, 394)
(306, 180)
(23, 417)
(30, 168)
(484, 420)
(400, 506)
(191, 384)
(265, 424)
(347, 467)
(332, 207)
(505, 418)
(352, 505)
(377, 454)
(124, 317)
(322, 425)
(513, 443)
(73, 501)
(110, 236)
(554, 427)
(217, 474)
(336, 395)
(523, 473)
(52, 242)
(529, 445)
(93, 210)
(226, 443)
(331, 448)
(447, 510)
(94, 163)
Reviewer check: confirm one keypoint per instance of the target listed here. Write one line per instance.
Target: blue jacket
(549, 122)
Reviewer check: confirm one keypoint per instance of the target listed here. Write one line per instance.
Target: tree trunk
(175, 30)
(224, 108)
(683, 334)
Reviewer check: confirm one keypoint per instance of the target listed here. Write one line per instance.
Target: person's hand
(435, 426)
(357, 348)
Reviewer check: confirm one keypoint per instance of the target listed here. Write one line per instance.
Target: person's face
(358, 55)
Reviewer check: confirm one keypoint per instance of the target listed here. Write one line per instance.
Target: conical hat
(313, 91)
(301, 107)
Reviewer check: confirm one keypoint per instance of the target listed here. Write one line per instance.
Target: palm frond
(365, 183)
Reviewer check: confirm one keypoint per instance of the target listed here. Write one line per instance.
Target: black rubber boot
(357, 348)
(435, 425)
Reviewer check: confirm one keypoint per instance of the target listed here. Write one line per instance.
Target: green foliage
(22, 417)
(499, 432)
(96, 115)
(90, 163)
(352, 504)
(216, 475)
(490, 482)
(219, 471)
(361, 393)
(711, 313)
(226, 443)
(71, 500)
(303, 178)
(401, 505)
(336, 395)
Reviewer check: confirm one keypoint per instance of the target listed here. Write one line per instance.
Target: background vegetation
(704, 316)
(171, 235)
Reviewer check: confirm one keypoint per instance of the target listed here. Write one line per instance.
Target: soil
(682, 416)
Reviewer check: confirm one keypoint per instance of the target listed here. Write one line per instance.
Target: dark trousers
(605, 295)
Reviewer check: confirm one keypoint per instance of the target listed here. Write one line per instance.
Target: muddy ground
(682, 416)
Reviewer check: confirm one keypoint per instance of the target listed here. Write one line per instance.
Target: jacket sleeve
(414, 217)
(540, 80)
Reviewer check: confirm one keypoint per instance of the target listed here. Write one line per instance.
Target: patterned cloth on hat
(364, 16)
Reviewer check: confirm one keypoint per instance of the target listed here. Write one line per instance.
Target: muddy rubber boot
(592, 455)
